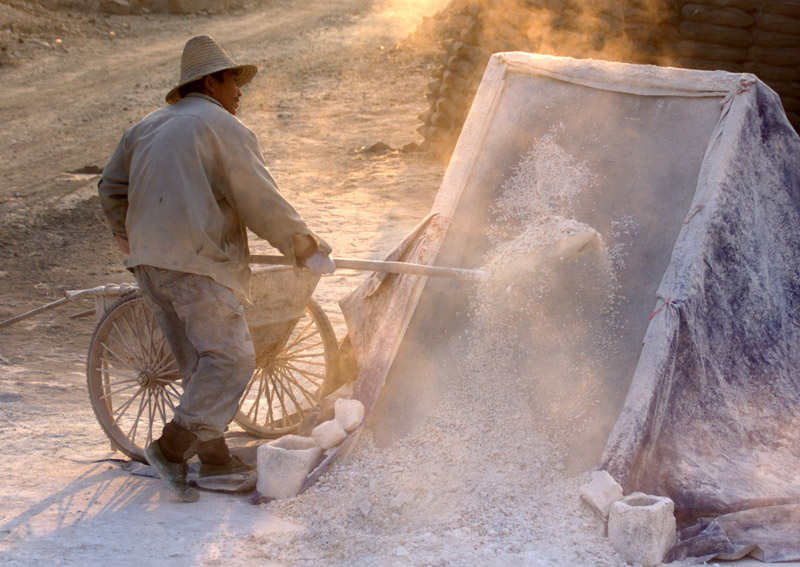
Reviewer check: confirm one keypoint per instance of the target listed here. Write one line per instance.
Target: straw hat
(202, 56)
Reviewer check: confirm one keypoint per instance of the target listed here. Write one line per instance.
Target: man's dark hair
(197, 85)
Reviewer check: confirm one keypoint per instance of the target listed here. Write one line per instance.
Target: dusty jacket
(183, 185)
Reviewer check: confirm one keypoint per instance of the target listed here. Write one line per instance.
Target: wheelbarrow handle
(383, 266)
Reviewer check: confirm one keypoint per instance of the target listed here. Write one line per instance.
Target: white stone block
(350, 413)
(329, 434)
(642, 528)
(601, 492)
(283, 465)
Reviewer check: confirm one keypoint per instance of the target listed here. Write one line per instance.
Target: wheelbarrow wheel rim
(283, 390)
(133, 379)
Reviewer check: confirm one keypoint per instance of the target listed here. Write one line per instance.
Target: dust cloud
(508, 376)
(394, 19)
(547, 314)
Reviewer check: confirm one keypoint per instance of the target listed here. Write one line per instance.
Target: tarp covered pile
(695, 188)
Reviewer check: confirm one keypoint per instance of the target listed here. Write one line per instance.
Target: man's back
(194, 179)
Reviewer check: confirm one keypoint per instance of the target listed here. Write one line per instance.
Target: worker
(179, 192)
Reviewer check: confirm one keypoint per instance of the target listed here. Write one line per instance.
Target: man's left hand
(320, 263)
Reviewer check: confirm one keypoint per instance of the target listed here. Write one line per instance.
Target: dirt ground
(335, 78)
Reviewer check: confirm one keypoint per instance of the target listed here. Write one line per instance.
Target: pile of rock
(756, 36)
(284, 464)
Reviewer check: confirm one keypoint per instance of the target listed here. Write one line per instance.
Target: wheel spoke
(152, 325)
(151, 414)
(309, 362)
(136, 330)
(168, 400)
(300, 380)
(288, 390)
(117, 414)
(308, 395)
(163, 351)
(123, 373)
(296, 351)
(304, 372)
(300, 336)
(279, 396)
(162, 380)
(269, 395)
(171, 386)
(164, 365)
(115, 392)
(134, 427)
(162, 410)
(122, 340)
(172, 396)
(118, 357)
(249, 386)
(261, 385)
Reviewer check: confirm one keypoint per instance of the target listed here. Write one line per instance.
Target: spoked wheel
(134, 382)
(286, 385)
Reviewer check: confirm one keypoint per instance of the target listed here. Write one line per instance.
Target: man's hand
(122, 242)
(304, 246)
(320, 263)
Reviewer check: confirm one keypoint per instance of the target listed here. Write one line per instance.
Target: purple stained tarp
(712, 417)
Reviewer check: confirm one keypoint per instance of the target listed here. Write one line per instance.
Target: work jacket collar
(208, 98)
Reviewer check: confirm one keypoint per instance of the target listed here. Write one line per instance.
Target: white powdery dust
(545, 182)
(475, 484)
(625, 230)
(550, 305)
(482, 480)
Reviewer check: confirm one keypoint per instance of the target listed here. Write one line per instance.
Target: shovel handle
(382, 266)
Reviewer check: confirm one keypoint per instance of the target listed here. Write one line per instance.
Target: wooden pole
(383, 266)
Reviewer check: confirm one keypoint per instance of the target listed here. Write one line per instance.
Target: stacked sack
(461, 62)
(775, 54)
(715, 34)
(755, 36)
(634, 31)
(644, 30)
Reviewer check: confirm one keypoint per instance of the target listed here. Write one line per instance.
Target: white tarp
(692, 181)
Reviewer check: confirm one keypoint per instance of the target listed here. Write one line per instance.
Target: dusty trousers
(204, 326)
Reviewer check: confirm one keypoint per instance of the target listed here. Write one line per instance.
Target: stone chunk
(283, 465)
(329, 434)
(350, 413)
(324, 410)
(642, 528)
(601, 492)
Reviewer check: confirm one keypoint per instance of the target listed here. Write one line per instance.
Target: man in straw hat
(180, 191)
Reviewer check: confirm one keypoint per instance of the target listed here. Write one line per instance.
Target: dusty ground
(334, 77)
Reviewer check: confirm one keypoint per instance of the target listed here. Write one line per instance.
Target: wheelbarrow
(134, 381)
(135, 384)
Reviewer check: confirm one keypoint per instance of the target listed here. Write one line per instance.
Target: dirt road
(335, 77)
(331, 81)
